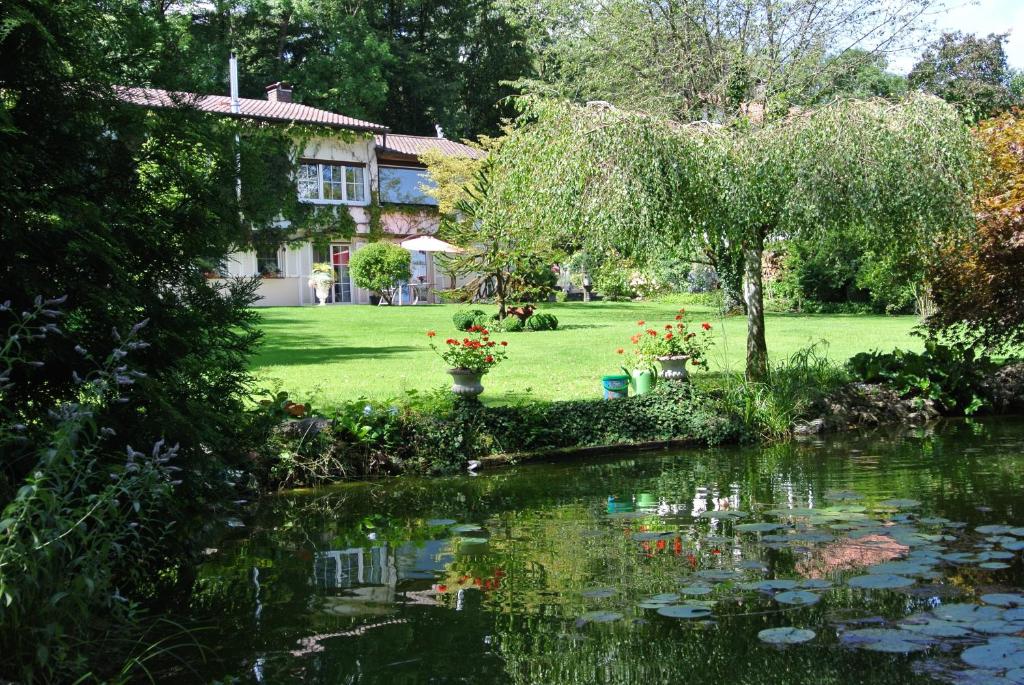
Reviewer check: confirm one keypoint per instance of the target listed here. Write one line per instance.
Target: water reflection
(556, 573)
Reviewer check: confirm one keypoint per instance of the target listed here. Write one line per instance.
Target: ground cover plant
(338, 354)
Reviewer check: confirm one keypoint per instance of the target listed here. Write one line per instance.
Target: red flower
(668, 336)
(619, 351)
(640, 323)
(660, 544)
(485, 331)
(450, 341)
(431, 334)
(489, 359)
(696, 362)
(490, 344)
(442, 588)
(706, 326)
(668, 327)
(682, 311)
(635, 339)
(651, 331)
(504, 344)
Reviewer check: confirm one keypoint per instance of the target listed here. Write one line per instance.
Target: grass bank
(335, 354)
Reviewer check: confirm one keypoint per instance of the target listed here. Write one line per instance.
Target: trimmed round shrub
(542, 322)
(464, 318)
(483, 319)
(378, 266)
(511, 324)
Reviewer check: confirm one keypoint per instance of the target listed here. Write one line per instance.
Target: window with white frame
(267, 261)
(405, 185)
(330, 182)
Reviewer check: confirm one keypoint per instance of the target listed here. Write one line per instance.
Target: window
(266, 261)
(404, 185)
(324, 182)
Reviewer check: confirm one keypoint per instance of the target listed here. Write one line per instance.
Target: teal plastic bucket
(615, 386)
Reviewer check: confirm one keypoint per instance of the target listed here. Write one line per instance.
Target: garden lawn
(338, 353)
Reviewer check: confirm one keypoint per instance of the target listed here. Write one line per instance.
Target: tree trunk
(499, 295)
(753, 295)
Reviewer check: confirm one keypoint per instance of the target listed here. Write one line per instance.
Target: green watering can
(641, 380)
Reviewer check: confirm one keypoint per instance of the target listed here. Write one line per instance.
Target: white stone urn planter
(674, 368)
(466, 382)
(321, 283)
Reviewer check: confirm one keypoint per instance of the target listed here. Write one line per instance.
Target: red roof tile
(414, 146)
(267, 110)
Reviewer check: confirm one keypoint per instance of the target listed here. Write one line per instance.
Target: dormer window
(332, 183)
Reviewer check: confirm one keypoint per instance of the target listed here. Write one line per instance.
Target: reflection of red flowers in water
(442, 588)
(677, 546)
(692, 559)
(661, 544)
(716, 551)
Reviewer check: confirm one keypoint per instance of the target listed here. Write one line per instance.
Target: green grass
(332, 354)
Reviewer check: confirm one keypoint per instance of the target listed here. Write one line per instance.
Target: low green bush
(542, 322)
(464, 318)
(953, 376)
(510, 324)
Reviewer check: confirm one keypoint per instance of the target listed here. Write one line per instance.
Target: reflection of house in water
(370, 575)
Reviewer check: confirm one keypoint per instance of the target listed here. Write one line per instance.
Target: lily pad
(936, 628)
(770, 585)
(902, 568)
(684, 611)
(441, 522)
(997, 627)
(880, 581)
(895, 646)
(696, 590)
(724, 514)
(718, 575)
(967, 613)
(1016, 614)
(815, 584)
(758, 527)
(797, 597)
(465, 528)
(993, 529)
(600, 616)
(785, 636)
(664, 598)
(900, 503)
(998, 653)
(1003, 600)
(1015, 546)
(994, 565)
(599, 593)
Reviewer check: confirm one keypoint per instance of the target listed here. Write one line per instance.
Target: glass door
(419, 276)
(337, 256)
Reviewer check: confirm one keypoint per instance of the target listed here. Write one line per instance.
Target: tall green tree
(696, 59)
(968, 71)
(410, 64)
(900, 173)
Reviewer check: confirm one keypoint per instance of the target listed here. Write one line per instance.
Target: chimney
(233, 75)
(279, 92)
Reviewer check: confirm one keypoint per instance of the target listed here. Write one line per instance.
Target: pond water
(884, 557)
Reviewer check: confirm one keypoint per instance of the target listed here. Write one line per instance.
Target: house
(334, 170)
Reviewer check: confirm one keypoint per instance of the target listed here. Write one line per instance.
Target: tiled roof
(414, 146)
(267, 110)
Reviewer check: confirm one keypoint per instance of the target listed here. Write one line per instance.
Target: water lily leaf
(967, 613)
(599, 593)
(815, 584)
(997, 627)
(1015, 546)
(770, 585)
(724, 514)
(441, 522)
(881, 581)
(958, 557)
(999, 653)
(1019, 532)
(752, 565)
(1003, 600)
(718, 575)
(993, 565)
(465, 528)
(993, 529)
(936, 628)
(651, 535)
(696, 590)
(684, 611)
(600, 616)
(797, 597)
(1014, 614)
(894, 646)
(902, 568)
(786, 635)
(934, 521)
(1001, 556)
(664, 598)
(900, 503)
(758, 527)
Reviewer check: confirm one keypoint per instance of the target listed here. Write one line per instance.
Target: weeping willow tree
(896, 176)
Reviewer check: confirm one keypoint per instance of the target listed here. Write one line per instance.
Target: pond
(882, 557)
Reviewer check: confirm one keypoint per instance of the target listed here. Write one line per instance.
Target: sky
(981, 17)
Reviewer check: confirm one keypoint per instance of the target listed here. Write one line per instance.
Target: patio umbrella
(428, 243)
